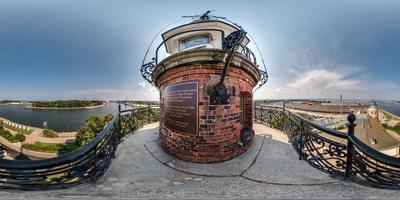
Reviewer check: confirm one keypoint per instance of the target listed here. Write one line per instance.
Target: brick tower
(206, 86)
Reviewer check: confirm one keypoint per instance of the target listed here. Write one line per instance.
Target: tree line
(66, 104)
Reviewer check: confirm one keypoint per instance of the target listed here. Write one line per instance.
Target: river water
(390, 106)
(59, 120)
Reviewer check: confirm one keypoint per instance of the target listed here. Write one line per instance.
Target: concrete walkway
(269, 170)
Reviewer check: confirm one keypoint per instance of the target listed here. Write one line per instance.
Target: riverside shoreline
(389, 113)
(16, 149)
(65, 108)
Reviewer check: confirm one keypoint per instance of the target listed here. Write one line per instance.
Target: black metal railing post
(148, 113)
(94, 163)
(301, 139)
(254, 112)
(284, 117)
(119, 120)
(270, 117)
(351, 118)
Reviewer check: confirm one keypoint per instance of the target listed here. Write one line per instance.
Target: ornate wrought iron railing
(331, 151)
(86, 164)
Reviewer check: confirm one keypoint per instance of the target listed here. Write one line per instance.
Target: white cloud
(330, 83)
(139, 92)
(142, 84)
(315, 72)
(319, 83)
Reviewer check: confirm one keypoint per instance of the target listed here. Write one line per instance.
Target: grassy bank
(395, 128)
(51, 148)
(49, 133)
(390, 116)
(11, 138)
(19, 130)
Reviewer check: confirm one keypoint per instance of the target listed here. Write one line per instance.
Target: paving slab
(279, 163)
(234, 167)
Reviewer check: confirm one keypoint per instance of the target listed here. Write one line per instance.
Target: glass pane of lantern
(193, 41)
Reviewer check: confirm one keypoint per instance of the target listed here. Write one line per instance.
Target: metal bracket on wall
(219, 94)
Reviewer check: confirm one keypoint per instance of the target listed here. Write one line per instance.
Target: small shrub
(20, 137)
(49, 133)
(91, 128)
(8, 136)
(392, 128)
(142, 117)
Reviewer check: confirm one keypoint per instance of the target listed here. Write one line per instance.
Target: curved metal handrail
(62, 159)
(348, 158)
(378, 156)
(311, 123)
(319, 127)
(86, 164)
(59, 160)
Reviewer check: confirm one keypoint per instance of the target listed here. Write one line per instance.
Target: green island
(9, 102)
(65, 104)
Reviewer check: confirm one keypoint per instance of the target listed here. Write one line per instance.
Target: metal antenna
(204, 16)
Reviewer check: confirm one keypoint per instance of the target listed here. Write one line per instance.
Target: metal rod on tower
(341, 104)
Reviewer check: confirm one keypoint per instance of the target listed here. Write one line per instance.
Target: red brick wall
(219, 126)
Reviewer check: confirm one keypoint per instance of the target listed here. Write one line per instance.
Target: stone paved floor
(269, 170)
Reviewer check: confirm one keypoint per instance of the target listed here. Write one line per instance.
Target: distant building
(326, 106)
(373, 110)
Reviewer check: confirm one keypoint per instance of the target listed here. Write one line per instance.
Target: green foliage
(51, 148)
(8, 136)
(94, 125)
(91, 128)
(388, 116)
(49, 133)
(393, 128)
(277, 121)
(5, 102)
(142, 117)
(20, 137)
(19, 130)
(65, 104)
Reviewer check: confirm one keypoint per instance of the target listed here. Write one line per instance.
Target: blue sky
(93, 49)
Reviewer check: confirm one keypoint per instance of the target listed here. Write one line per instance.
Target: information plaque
(181, 108)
